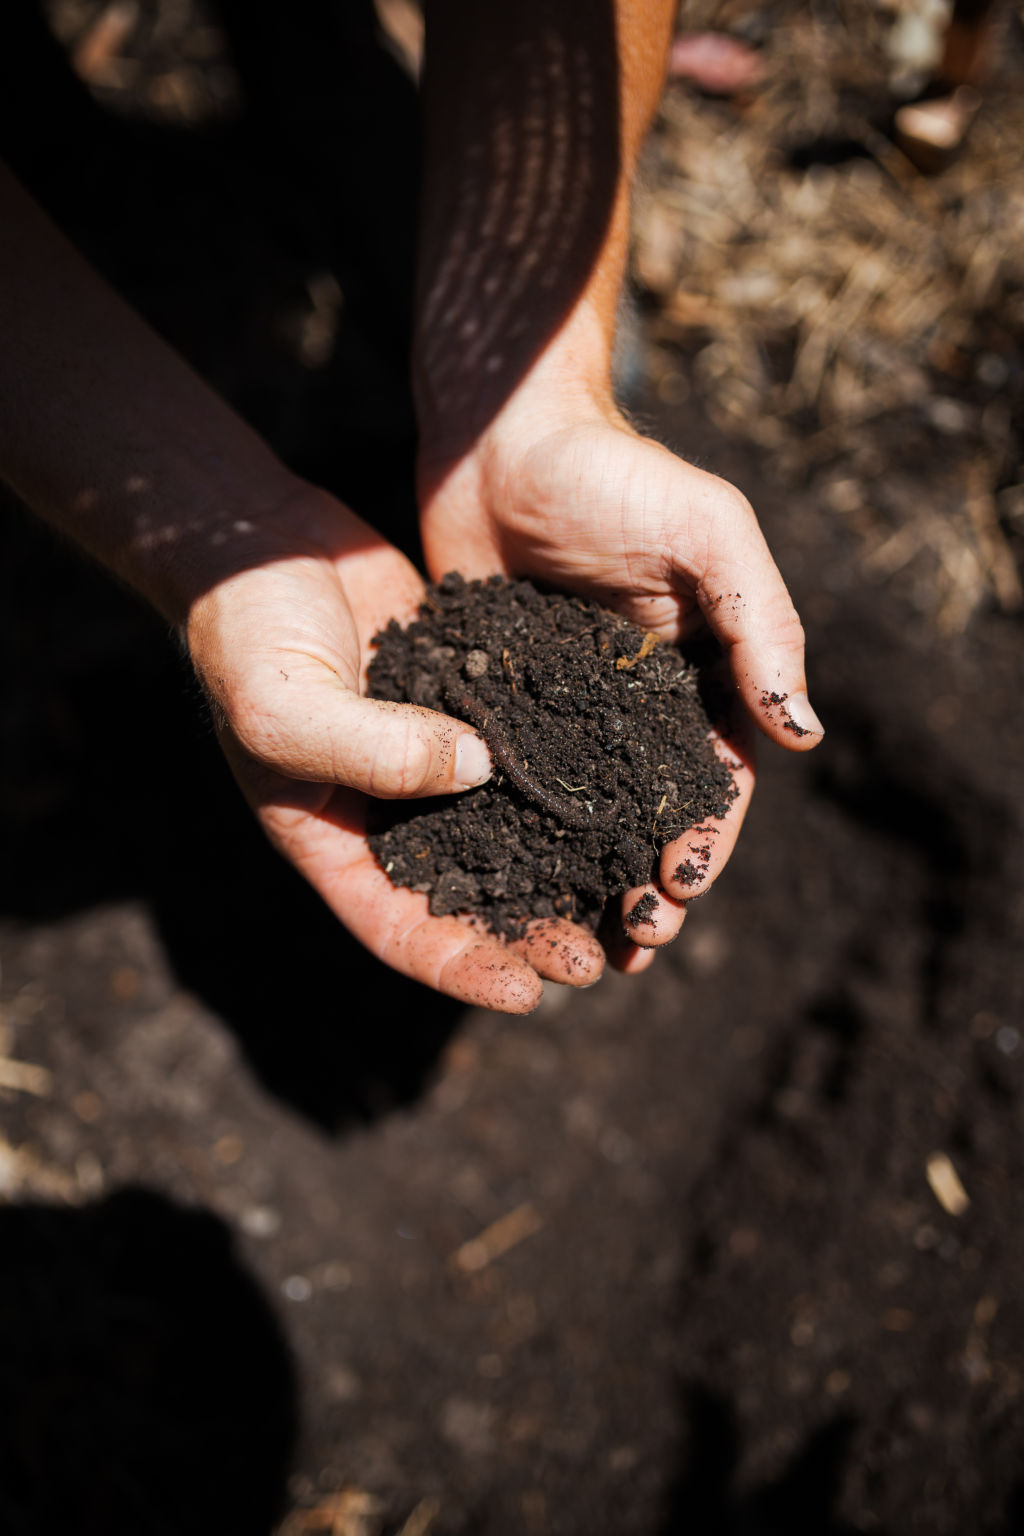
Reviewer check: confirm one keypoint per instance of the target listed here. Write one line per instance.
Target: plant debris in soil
(601, 745)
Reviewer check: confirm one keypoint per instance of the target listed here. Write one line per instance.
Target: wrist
(567, 383)
(178, 562)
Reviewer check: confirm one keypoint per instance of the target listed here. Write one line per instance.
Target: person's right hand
(281, 647)
(560, 488)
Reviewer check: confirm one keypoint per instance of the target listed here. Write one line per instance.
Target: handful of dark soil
(600, 741)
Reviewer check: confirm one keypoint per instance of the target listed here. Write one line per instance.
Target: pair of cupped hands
(575, 498)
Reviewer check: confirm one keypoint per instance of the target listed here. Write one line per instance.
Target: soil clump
(601, 743)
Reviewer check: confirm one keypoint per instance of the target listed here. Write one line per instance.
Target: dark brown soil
(600, 739)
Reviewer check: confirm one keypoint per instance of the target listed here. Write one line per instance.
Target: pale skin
(278, 588)
(550, 480)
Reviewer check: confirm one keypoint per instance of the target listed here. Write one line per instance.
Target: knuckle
(403, 765)
(726, 535)
(783, 626)
(252, 726)
(728, 504)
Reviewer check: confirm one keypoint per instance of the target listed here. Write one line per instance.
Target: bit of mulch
(601, 743)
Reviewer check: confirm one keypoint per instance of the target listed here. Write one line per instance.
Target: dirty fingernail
(472, 761)
(798, 708)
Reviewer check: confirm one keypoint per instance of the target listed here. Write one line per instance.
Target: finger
(280, 654)
(625, 956)
(395, 924)
(298, 719)
(650, 916)
(561, 951)
(691, 863)
(747, 606)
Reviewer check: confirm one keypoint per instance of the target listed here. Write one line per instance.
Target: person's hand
(281, 647)
(572, 495)
(535, 112)
(276, 587)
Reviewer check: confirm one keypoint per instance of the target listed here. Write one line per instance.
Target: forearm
(535, 112)
(108, 434)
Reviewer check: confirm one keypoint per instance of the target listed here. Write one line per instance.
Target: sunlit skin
(535, 113)
(547, 479)
(270, 680)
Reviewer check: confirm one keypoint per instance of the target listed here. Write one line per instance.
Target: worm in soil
(568, 811)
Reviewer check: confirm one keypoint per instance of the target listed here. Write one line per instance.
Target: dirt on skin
(601, 745)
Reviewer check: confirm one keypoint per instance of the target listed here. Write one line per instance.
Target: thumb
(745, 602)
(306, 724)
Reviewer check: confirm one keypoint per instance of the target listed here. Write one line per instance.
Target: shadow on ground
(146, 1384)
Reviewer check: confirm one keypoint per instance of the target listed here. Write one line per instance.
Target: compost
(601, 740)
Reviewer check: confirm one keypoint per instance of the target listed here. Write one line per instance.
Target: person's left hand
(573, 496)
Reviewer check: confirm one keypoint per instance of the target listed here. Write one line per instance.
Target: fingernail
(472, 761)
(802, 719)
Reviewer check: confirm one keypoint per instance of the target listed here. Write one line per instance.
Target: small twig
(422, 1518)
(25, 1076)
(945, 1184)
(497, 1239)
(647, 645)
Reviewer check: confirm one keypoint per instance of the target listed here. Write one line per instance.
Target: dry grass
(860, 324)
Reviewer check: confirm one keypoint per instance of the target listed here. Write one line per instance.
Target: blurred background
(288, 1244)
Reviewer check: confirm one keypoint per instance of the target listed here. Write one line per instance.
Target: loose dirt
(601, 742)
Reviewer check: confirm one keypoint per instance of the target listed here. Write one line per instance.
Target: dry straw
(858, 323)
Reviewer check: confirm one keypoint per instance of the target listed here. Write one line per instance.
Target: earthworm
(570, 812)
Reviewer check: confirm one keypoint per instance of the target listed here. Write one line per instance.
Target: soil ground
(289, 1243)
